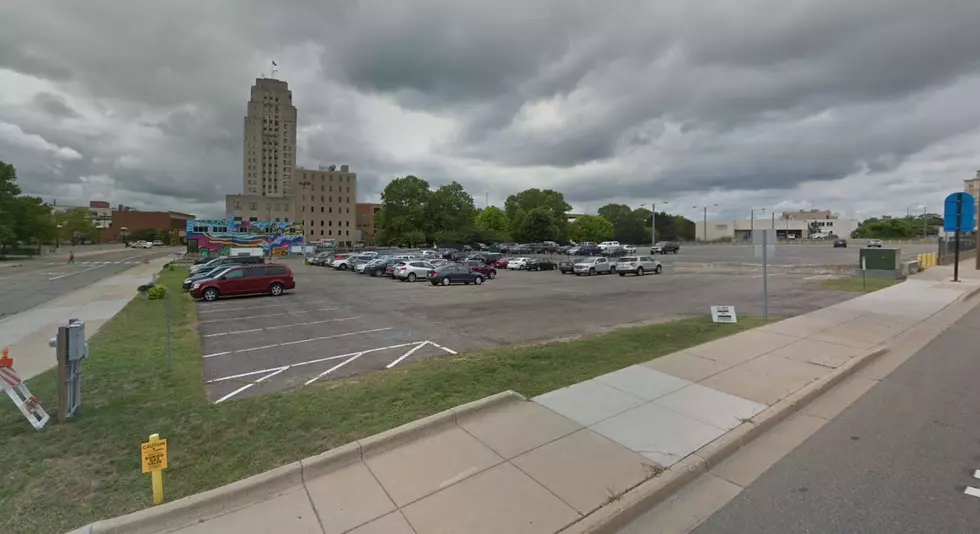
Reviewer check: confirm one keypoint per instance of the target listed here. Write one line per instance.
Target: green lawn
(858, 284)
(72, 474)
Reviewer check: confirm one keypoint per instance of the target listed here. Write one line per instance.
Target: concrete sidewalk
(27, 333)
(506, 464)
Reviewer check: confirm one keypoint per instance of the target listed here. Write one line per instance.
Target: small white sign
(723, 314)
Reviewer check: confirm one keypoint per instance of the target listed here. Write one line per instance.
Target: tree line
(412, 213)
(27, 222)
(899, 228)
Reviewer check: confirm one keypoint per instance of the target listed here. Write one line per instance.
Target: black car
(589, 250)
(452, 273)
(540, 264)
(840, 243)
(203, 275)
(665, 247)
(566, 266)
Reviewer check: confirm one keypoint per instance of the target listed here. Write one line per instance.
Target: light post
(653, 221)
(57, 237)
(124, 232)
(752, 216)
(704, 228)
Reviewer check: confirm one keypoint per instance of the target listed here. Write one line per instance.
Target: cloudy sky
(861, 107)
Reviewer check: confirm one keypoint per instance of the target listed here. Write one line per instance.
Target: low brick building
(366, 213)
(160, 221)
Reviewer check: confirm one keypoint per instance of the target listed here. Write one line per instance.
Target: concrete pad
(742, 346)
(416, 469)
(502, 499)
(818, 352)
(347, 498)
(766, 379)
(643, 382)
(834, 401)
(518, 427)
(813, 322)
(289, 512)
(585, 469)
(588, 402)
(686, 509)
(861, 335)
(717, 408)
(687, 366)
(657, 433)
(902, 348)
(393, 523)
(749, 462)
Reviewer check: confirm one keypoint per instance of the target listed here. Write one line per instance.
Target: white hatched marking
(281, 326)
(263, 347)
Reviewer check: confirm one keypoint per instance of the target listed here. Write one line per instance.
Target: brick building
(159, 221)
(366, 212)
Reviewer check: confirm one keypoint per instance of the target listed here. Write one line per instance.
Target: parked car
(540, 264)
(271, 279)
(452, 273)
(593, 265)
(614, 251)
(158, 243)
(638, 265)
(606, 244)
(665, 247)
(205, 274)
(874, 243)
(629, 249)
(409, 271)
(225, 260)
(840, 243)
(589, 250)
(501, 263)
(566, 266)
(141, 244)
(517, 264)
(342, 262)
(478, 266)
(322, 259)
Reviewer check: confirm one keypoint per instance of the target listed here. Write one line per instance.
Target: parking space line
(262, 316)
(281, 326)
(334, 368)
(245, 387)
(407, 354)
(238, 351)
(244, 308)
(450, 351)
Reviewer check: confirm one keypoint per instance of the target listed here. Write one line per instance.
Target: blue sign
(967, 207)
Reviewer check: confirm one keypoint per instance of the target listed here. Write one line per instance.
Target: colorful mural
(218, 237)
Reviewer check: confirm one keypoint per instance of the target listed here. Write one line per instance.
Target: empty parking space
(338, 324)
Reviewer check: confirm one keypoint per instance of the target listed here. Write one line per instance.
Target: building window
(277, 219)
(348, 232)
(331, 209)
(286, 219)
(238, 205)
(331, 199)
(253, 219)
(348, 223)
(238, 219)
(321, 209)
(253, 206)
(348, 210)
(331, 189)
(321, 232)
(330, 224)
(321, 223)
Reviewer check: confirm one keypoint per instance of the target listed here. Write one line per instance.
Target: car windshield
(626, 259)
(660, 243)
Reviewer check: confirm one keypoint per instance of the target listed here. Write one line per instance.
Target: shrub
(157, 292)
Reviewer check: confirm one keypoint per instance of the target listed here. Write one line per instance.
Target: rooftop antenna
(275, 69)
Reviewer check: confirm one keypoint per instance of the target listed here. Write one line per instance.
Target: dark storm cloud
(678, 97)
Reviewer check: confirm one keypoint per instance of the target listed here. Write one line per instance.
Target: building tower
(270, 140)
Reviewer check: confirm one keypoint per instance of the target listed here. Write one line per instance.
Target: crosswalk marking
(95, 263)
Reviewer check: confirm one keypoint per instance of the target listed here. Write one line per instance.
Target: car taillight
(433, 273)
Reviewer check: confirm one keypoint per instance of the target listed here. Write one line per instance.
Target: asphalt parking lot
(814, 254)
(337, 324)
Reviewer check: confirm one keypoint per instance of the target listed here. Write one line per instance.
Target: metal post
(704, 229)
(62, 348)
(765, 277)
(752, 224)
(924, 227)
(956, 246)
(170, 338)
(653, 224)
(774, 220)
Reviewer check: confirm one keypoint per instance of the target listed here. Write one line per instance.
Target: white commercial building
(741, 230)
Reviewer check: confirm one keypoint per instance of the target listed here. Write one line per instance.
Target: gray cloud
(754, 98)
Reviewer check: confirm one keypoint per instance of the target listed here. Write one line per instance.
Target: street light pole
(704, 224)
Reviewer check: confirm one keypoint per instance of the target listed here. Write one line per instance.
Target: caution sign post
(154, 459)
(16, 389)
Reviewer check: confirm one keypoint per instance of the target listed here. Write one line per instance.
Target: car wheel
(379, 272)
(639, 271)
(591, 271)
(445, 281)
(478, 280)
(435, 283)
(210, 294)
(276, 289)
(622, 274)
(343, 267)
(657, 269)
(492, 274)
(411, 277)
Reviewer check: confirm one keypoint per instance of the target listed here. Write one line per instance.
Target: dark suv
(665, 247)
(225, 260)
(272, 279)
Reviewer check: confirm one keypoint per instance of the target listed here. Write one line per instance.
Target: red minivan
(270, 278)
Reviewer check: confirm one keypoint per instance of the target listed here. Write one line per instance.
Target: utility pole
(924, 226)
(653, 222)
(704, 223)
(486, 201)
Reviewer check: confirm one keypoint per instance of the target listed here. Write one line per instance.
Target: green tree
(449, 208)
(685, 228)
(812, 228)
(886, 229)
(592, 228)
(9, 190)
(415, 237)
(529, 199)
(76, 225)
(539, 226)
(494, 219)
(517, 225)
(403, 209)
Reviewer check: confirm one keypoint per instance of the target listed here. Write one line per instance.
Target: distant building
(808, 215)
(327, 203)
(786, 228)
(573, 216)
(972, 186)
(270, 140)
(366, 213)
(158, 221)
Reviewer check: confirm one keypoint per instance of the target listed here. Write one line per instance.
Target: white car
(638, 265)
(607, 244)
(141, 244)
(342, 264)
(630, 249)
(158, 243)
(517, 264)
(412, 270)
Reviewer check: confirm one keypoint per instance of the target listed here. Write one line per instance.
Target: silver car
(591, 266)
(410, 271)
(638, 265)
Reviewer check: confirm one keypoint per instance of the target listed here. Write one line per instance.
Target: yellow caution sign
(154, 454)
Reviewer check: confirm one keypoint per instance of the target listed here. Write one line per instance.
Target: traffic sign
(964, 205)
(154, 455)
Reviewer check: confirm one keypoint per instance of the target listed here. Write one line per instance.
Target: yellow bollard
(154, 453)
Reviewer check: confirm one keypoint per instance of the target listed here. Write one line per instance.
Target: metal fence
(947, 248)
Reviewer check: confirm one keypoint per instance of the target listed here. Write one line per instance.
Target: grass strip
(858, 284)
(72, 474)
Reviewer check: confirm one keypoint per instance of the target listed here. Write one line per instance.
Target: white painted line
(406, 355)
(281, 326)
(450, 351)
(262, 316)
(334, 368)
(973, 492)
(246, 386)
(73, 273)
(243, 308)
(310, 362)
(297, 342)
(976, 474)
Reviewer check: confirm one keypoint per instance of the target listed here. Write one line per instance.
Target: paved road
(822, 254)
(39, 280)
(895, 461)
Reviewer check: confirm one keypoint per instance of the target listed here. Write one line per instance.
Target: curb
(192, 509)
(611, 518)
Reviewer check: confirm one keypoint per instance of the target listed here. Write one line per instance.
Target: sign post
(765, 245)
(959, 214)
(154, 456)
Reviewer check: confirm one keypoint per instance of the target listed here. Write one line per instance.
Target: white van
(607, 244)
(246, 251)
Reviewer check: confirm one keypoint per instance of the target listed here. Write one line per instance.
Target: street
(897, 460)
(39, 280)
